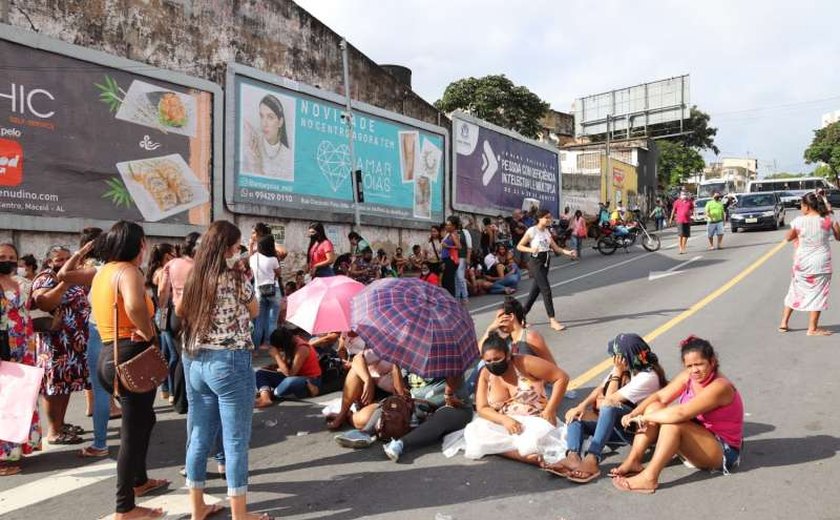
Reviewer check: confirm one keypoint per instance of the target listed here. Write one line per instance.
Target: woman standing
(216, 308)
(62, 346)
(450, 244)
(162, 254)
(433, 250)
(120, 280)
(267, 274)
(321, 252)
(579, 232)
(538, 242)
(15, 323)
(811, 280)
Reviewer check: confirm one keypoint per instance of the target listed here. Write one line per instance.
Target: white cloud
(741, 55)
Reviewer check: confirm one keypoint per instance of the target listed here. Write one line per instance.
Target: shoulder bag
(266, 290)
(144, 372)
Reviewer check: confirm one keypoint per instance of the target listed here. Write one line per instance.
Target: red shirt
(311, 367)
(320, 252)
(432, 278)
(683, 210)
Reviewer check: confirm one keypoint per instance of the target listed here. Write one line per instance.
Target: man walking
(715, 214)
(682, 212)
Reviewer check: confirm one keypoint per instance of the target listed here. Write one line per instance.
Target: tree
(825, 148)
(496, 99)
(700, 135)
(822, 170)
(677, 162)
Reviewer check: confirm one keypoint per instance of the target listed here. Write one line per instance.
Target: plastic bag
(482, 437)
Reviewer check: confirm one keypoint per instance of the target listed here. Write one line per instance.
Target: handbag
(144, 372)
(266, 290)
(396, 417)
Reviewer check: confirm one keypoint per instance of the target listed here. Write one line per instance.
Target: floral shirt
(230, 324)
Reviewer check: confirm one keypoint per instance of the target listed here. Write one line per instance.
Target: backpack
(396, 417)
(332, 373)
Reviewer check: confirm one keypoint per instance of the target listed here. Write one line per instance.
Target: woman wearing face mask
(704, 427)
(62, 345)
(16, 326)
(123, 249)
(511, 403)
(216, 310)
(321, 252)
(427, 275)
(27, 267)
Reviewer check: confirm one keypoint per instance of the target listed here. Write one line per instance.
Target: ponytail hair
(816, 203)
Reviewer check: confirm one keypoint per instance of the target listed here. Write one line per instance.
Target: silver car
(699, 216)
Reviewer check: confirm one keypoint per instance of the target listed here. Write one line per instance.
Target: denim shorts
(714, 228)
(731, 456)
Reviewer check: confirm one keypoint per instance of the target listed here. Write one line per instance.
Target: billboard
(289, 156)
(87, 138)
(495, 169)
(637, 107)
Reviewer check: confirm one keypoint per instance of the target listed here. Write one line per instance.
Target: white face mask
(21, 271)
(231, 262)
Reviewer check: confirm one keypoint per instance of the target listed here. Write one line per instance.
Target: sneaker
(393, 450)
(354, 439)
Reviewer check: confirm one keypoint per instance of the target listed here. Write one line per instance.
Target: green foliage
(701, 136)
(785, 175)
(496, 99)
(677, 163)
(109, 93)
(825, 148)
(118, 193)
(822, 170)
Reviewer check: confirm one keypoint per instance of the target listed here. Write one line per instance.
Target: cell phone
(633, 427)
(5, 348)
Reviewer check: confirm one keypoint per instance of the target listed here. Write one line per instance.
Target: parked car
(699, 216)
(757, 211)
(790, 199)
(833, 196)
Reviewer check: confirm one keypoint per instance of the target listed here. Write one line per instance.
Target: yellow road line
(593, 372)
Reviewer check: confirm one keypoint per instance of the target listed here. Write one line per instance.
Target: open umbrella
(415, 325)
(323, 305)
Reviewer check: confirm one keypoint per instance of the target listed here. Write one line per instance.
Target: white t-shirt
(639, 387)
(539, 239)
(263, 268)
(490, 260)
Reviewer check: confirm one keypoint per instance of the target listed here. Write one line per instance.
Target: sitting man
(618, 219)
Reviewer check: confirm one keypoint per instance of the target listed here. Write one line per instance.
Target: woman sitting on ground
(511, 388)
(705, 427)
(367, 374)
(636, 374)
(510, 324)
(296, 372)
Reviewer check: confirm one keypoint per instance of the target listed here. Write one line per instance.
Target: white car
(790, 199)
(699, 216)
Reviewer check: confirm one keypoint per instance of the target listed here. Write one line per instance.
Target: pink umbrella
(323, 305)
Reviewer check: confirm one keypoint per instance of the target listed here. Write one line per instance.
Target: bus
(795, 185)
(708, 188)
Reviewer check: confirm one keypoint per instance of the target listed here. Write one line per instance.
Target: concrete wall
(199, 37)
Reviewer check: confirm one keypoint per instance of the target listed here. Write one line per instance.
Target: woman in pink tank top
(705, 426)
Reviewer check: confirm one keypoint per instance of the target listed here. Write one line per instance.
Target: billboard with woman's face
(289, 156)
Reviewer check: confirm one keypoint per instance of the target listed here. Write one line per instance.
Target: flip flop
(150, 486)
(89, 452)
(621, 484)
(582, 480)
(557, 469)
(819, 332)
(614, 474)
(783, 329)
(8, 471)
(72, 429)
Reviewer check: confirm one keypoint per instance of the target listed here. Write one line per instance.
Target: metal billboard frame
(74, 224)
(621, 112)
(463, 116)
(237, 69)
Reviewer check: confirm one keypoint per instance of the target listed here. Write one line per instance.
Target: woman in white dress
(268, 151)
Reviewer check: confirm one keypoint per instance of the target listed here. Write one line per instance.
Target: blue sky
(766, 71)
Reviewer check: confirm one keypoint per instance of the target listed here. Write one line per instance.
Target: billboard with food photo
(101, 143)
(288, 155)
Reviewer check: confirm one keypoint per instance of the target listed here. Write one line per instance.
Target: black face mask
(497, 368)
(8, 267)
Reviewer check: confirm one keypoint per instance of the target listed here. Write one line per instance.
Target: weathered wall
(199, 38)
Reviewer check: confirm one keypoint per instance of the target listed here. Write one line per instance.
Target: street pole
(609, 163)
(4, 11)
(348, 118)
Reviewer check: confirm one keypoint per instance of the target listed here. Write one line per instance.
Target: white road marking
(656, 275)
(54, 485)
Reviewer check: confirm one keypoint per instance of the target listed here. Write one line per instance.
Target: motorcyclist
(619, 220)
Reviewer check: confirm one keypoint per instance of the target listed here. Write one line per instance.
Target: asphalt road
(733, 297)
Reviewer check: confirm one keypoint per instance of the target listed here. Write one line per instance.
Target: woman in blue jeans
(297, 372)
(265, 265)
(636, 374)
(216, 311)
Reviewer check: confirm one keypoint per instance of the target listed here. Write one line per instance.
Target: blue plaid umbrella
(415, 325)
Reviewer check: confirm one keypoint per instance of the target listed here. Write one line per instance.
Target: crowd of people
(209, 303)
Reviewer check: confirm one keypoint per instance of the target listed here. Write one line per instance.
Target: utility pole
(4, 11)
(348, 119)
(608, 173)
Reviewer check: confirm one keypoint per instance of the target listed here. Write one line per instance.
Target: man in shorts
(715, 215)
(682, 213)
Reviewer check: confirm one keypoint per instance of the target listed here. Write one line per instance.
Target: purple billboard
(496, 171)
